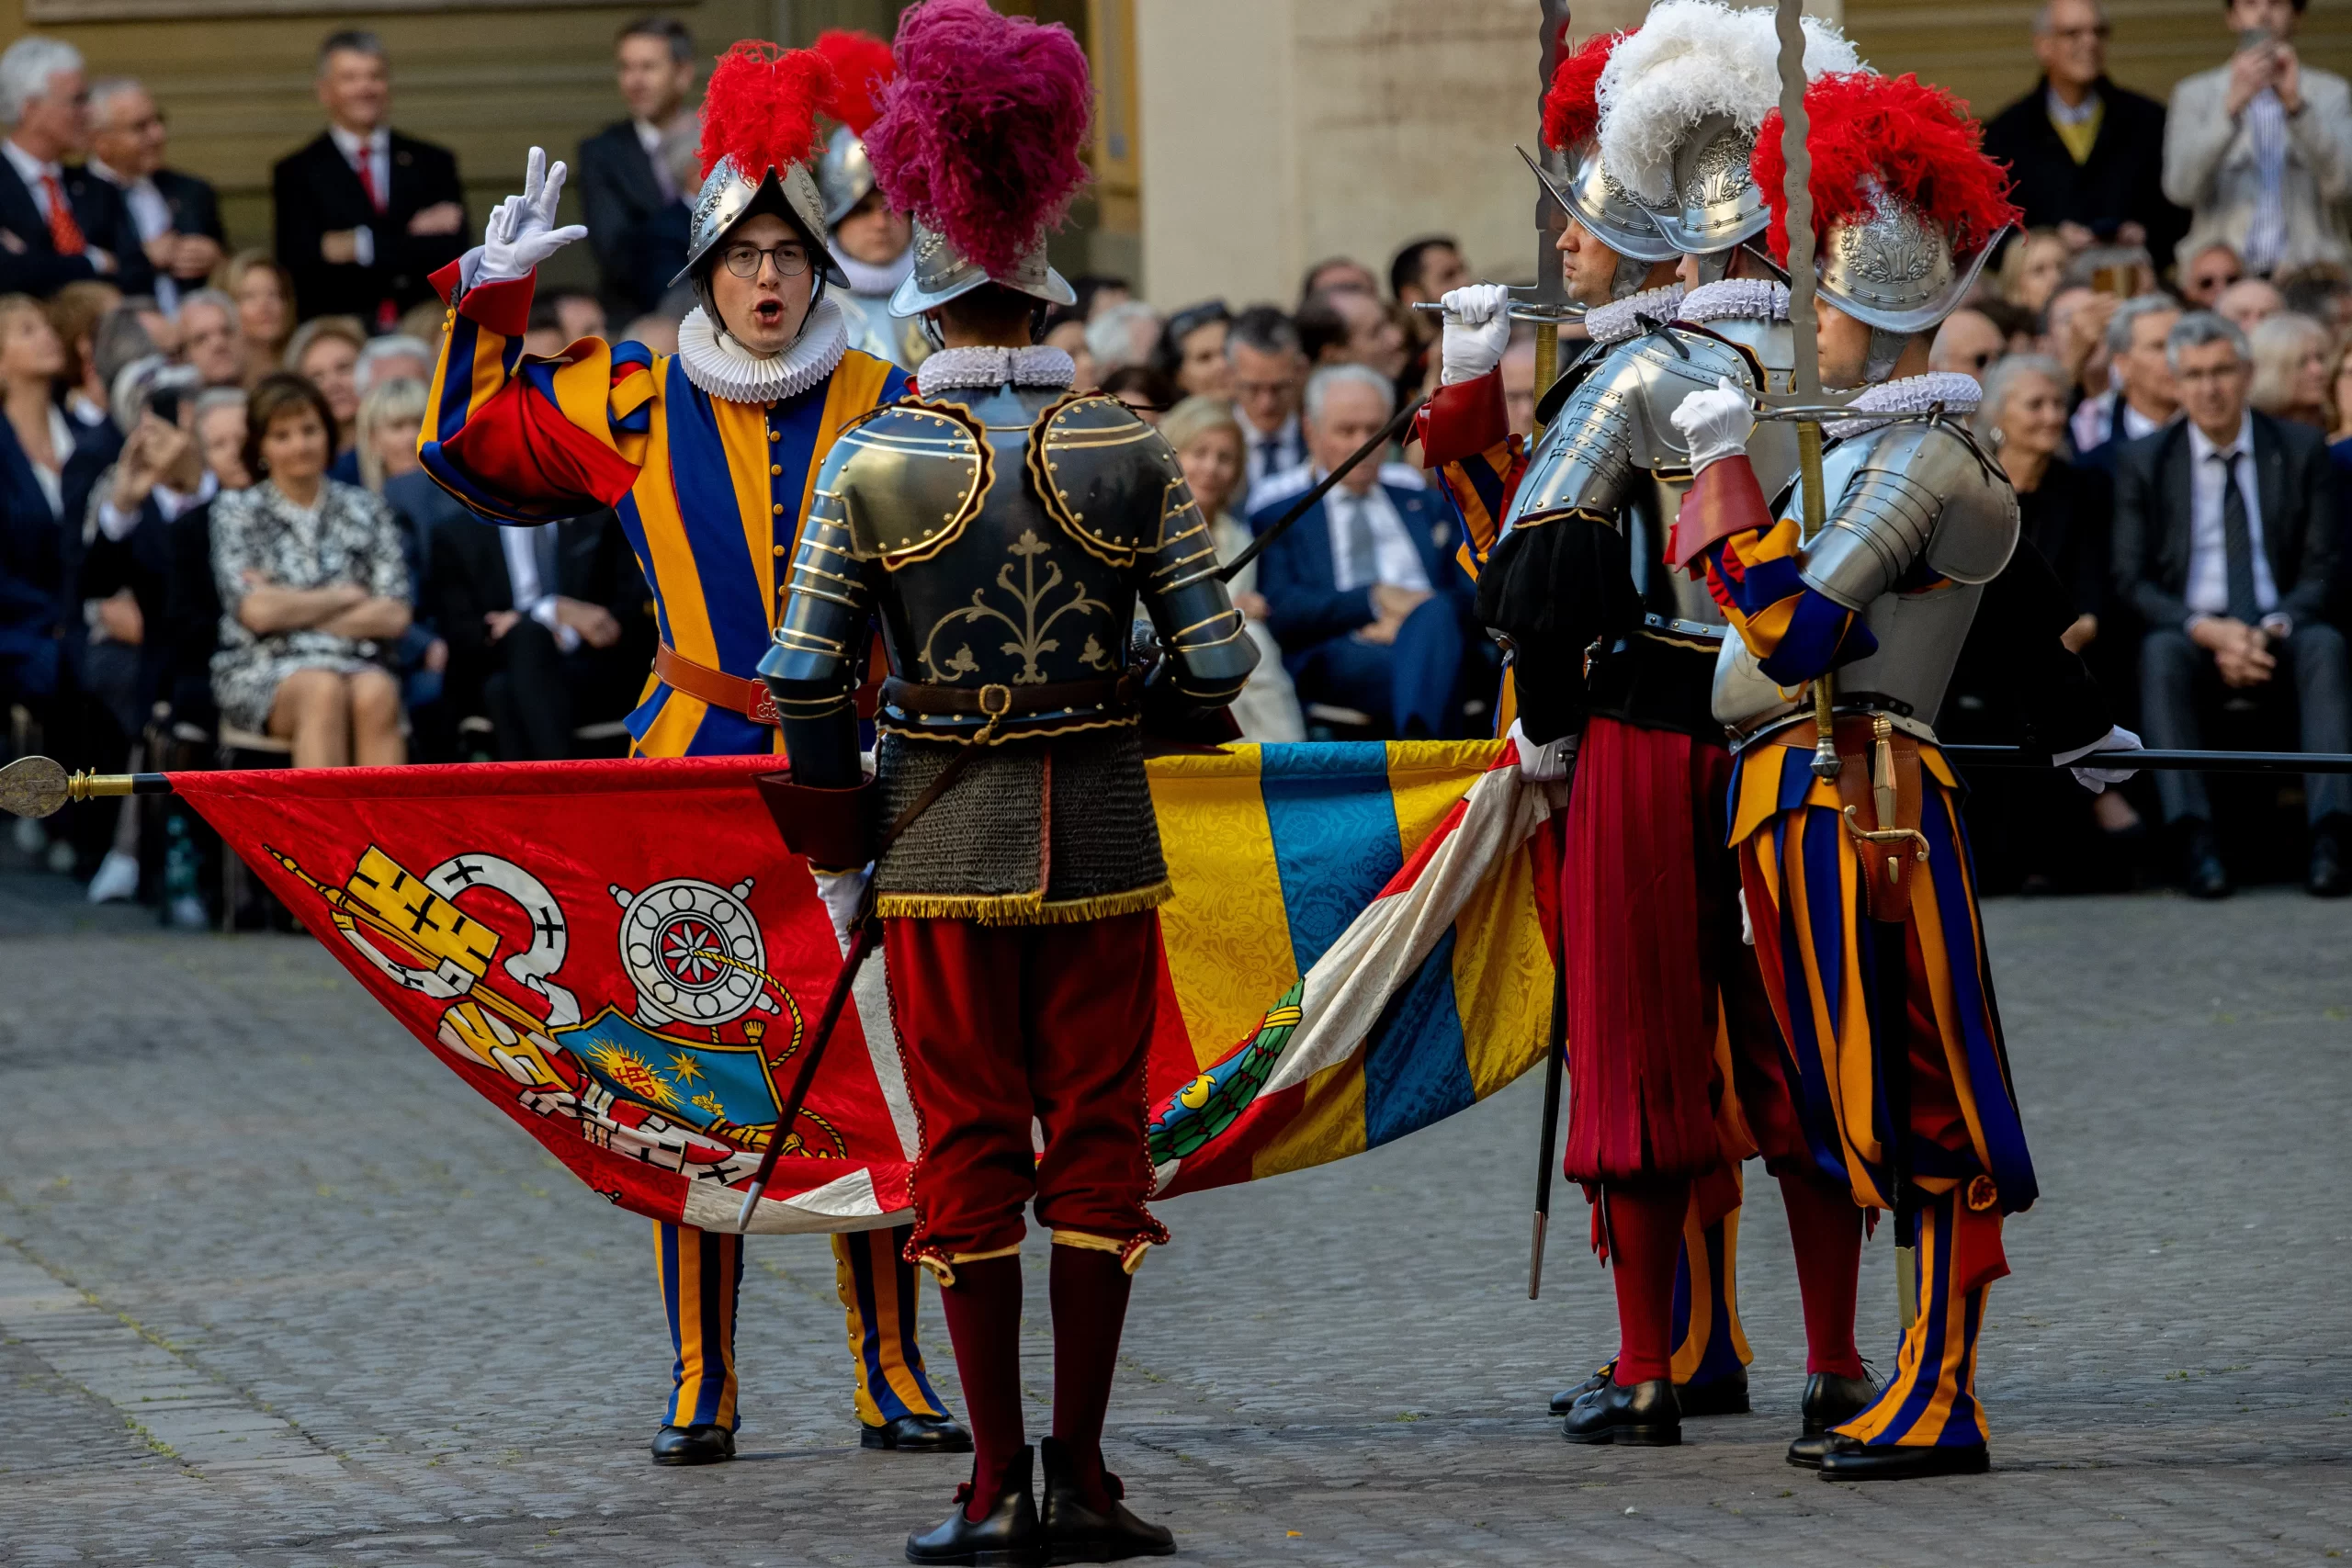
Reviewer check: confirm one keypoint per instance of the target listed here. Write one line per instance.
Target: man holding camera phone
(2260, 148)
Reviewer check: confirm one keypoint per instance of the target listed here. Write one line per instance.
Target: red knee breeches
(1001, 1024)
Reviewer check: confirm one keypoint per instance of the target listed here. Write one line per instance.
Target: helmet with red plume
(759, 136)
(979, 139)
(862, 66)
(1608, 211)
(1907, 207)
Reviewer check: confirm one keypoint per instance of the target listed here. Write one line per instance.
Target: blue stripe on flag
(1334, 827)
(1416, 1068)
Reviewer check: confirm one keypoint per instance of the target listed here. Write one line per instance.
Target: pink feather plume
(981, 129)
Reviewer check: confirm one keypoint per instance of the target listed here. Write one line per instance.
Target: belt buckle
(996, 701)
(762, 708)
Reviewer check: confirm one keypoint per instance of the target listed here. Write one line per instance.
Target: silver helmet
(1612, 215)
(729, 195)
(844, 174)
(943, 272)
(1894, 270)
(1716, 202)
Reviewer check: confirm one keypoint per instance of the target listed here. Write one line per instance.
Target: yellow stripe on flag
(1225, 931)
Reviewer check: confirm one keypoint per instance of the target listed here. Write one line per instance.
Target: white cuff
(363, 245)
(115, 522)
(544, 611)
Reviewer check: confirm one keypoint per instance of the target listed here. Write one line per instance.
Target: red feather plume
(1894, 134)
(1572, 106)
(761, 106)
(862, 66)
(980, 131)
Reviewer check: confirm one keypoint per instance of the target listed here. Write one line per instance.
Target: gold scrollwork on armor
(1030, 634)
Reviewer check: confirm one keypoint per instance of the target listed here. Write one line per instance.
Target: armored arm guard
(1924, 495)
(1115, 485)
(812, 669)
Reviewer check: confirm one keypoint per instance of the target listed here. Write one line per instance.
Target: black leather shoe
(1076, 1532)
(693, 1445)
(1644, 1414)
(1829, 1401)
(1566, 1400)
(1717, 1396)
(918, 1434)
(2203, 875)
(1846, 1458)
(1009, 1534)
(2329, 877)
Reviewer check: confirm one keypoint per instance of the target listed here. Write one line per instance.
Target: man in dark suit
(2225, 544)
(2087, 156)
(547, 627)
(364, 215)
(57, 225)
(178, 215)
(1362, 592)
(636, 209)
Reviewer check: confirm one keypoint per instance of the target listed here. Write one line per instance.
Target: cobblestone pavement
(247, 1316)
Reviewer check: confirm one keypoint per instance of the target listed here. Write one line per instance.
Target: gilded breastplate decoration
(1028, 635)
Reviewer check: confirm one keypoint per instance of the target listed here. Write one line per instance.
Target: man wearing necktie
(2224, 543)
(57, 225)
(1267, 368)
(1363, 593)
(364, 215)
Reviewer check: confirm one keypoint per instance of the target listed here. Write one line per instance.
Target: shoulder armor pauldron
(1103, 475)
(909, 477)
(1910, 491)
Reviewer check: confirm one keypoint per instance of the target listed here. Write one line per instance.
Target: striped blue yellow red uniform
(1801, 874)
(712, 494)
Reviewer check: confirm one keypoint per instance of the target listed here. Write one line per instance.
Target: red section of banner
(621, 954)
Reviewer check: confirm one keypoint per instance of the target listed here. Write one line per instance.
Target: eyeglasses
(791, 259)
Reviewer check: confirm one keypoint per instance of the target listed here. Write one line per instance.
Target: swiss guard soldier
(708, 456)
(1580, 583)
(1857, 887)
(1002, 527)
(872, 242)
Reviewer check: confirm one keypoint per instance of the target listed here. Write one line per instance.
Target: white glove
(521, 233)
(842, 892)
(1477, 331)
(1547, 763)
(1715, 424)
(2096, 780)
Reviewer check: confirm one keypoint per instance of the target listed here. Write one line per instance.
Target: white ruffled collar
(1912, 394)
(1039, 365)
(873, 281)
(1619, 319)
(725, 368)
(1737, 299)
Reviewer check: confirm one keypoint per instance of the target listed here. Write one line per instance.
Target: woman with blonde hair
(265, 298)
(1207, 440)
(2031, 269)
(385, 434)
(2291, 355)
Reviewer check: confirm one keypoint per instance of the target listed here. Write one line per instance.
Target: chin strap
(1885, 352)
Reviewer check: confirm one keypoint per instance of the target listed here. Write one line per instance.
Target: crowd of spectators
(217, 534)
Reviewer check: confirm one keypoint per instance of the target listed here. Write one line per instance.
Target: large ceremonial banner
(623, 958)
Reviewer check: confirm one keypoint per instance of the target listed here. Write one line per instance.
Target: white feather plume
(1690, 59)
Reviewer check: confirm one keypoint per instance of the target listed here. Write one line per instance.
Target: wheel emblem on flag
(693, 953)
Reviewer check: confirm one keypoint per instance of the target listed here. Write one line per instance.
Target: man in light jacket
(2260, 148)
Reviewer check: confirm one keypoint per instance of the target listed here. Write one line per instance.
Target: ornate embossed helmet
(979, 139)
(1680, 109)
(759, 135)
(1905, 205)
(862, 67)
(1607, 209)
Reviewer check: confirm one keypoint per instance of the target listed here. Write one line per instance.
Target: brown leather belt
(720, 690)
(1122, 693)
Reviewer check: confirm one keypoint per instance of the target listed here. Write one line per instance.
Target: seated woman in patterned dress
(313, 592)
